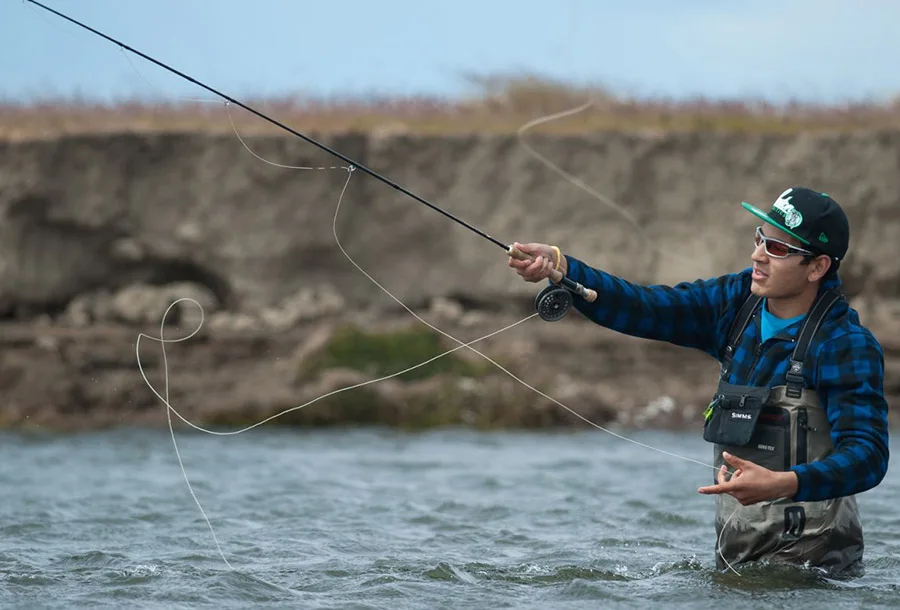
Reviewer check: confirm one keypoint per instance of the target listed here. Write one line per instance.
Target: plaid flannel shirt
(845, 363)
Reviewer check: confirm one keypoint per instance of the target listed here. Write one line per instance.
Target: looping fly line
(351, 167)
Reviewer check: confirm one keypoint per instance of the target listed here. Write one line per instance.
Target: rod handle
(557, 277)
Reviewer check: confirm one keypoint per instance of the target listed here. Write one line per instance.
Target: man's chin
(757, 289)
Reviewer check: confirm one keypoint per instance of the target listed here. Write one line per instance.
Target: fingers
(713, 489)
(537, 268)
(515, 263)
(723, 484)
(735, 460)
(721, 477)
(742, 488)
(532, 249)
(744, 497)
(725, 476)
(533, 271)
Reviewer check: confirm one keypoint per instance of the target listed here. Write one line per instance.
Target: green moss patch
(378, 354)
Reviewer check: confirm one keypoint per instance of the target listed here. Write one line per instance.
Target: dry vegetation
(502, 105)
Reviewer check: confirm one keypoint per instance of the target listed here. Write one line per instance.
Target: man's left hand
(751, 483)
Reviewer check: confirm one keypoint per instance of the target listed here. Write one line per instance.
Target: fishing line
(575, 180)
(461, 344)
(605, 200)
(567, 283)
(351, 167)
(428, 324)
(468, 345)
(608, 202)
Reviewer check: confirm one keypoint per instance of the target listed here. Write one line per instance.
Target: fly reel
(553, 303)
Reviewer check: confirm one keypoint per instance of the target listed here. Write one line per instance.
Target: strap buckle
(794, 378)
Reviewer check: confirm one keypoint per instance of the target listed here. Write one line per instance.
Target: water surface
(388, 519)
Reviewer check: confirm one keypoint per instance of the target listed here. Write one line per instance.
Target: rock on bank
(91, 227)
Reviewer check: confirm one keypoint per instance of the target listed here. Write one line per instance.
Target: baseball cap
(812, 217)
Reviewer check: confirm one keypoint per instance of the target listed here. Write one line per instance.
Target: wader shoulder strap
(741, 320)
(810, 327)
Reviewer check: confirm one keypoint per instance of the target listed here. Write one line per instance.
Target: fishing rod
(552, 303)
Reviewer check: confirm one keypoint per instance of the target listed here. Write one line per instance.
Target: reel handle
(557, 277)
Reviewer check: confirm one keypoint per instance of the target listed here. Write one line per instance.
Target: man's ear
(818, 268)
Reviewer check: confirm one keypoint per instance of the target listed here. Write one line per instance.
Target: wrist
(788, 484)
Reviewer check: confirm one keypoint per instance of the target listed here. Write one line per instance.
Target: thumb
(532, 249)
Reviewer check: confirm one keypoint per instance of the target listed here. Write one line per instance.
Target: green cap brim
(757, 212)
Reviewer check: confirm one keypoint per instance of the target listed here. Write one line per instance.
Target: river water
(389, 519)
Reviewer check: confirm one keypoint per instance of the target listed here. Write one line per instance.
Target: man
(799, 418)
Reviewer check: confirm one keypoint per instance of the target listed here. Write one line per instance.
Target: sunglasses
(777, 248)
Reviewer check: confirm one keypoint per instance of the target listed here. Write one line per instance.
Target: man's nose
(759, 252)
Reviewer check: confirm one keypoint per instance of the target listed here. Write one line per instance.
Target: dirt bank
(101, 233)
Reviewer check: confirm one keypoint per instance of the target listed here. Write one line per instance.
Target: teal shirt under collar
(771, 325)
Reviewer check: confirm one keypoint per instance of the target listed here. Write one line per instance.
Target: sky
(810, 50)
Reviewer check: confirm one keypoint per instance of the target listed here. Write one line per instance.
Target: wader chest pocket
(732, 415)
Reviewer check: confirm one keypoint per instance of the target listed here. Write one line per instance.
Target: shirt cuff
(804, 482)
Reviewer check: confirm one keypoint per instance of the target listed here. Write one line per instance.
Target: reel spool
(553, 303)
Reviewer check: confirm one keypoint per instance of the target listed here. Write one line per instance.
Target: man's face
(778, 278)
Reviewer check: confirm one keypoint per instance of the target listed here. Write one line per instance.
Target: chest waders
(778, 428)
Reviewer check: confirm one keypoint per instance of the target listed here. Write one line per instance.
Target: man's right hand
(543, 262)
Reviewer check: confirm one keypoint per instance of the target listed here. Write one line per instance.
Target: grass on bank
(500, 105)
(437, 395)
(378, 354)
(498, 404)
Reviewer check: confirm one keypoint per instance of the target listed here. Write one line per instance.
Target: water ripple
(387, 519)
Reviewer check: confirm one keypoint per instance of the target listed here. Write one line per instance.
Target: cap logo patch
(792, 217)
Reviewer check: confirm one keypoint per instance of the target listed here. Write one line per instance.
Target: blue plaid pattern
(845, 363)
